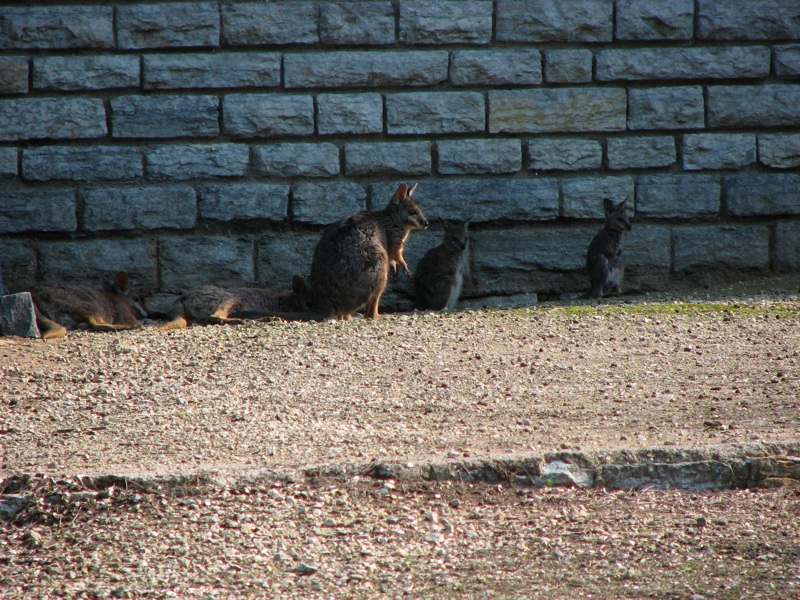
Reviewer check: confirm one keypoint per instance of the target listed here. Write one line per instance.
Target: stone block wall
(200, 141)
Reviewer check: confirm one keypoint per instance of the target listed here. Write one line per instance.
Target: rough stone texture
(280, 256)
(8, 163)
(267, 23)
(81, 163)
(666, 108)
(171, 25)
(223, 260)
(196, 161)
(497, 67)
(434, 112)
(349, 113)
(703, 475)
(751, 194)
(445, 22)
(388, 158)
(117, 209)
(13, 75)
(51, 118)
(568, 66)
(787, 60)
(28, 209)
(678, 196)
(752, 20)
(779, 150)
(51, 27)
(17, 316)
(18, 263)
(564, 154)
(243, 201)
(224, 70)
(296, 160)
(255, 115)
(554, 21)
(652, 20)
(360, 23)
(718, 151)
(787, 246)
(464, 157)
(683, 63)
(727, 246)
(765, 105)
(71, 73)
(583, 196)
(164, 116)
(562, 110)
(325, 203)
(647, 246)
(641, 152)
(563, 474)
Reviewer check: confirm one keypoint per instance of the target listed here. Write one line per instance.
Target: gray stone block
(267, 23)
(164, 116)
(349, 113)
(358, 23)
(8, 163)
(496, 67)
(779, 150)
(583, 196)
(223, 70)
(118, 209)
(652, 20)
(445, 22)
(81, 163)
(554, 21)
(752, 20)
(196, 161)
(568, 66)
(641, 152)
(647, 246)
(701, 475)
(13, 75)
(758, 194)
(52, 118)
(718, 150)
(420, 113)
(170, 25)
(683, 63)
(266, 115)
(17, 316)
(767, 105)
(28, 209)
(678, 107)
(722, 247)
(564, 154)
(186, 262)
(243, 201)
(297, 160)
(73, 73)
(388, 158)
(51, 27)
(282, 255)
(325, 203)
(465, 157)
(557, 110)
(18, 263)
(678, 196)
(787, 60)
(787, 246)
(365, 69)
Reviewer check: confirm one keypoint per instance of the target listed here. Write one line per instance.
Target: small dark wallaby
(604, 258)
(440, 273)
(352, 259)
(212, 304)
(59, 309)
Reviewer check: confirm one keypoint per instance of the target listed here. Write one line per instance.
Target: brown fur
(440, 273)
(353, 257)
(604, 258)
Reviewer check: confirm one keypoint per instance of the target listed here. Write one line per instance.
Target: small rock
(455, 502)
(32, 539)
(305, 569)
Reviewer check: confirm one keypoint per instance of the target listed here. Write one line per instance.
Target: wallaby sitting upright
(62, 308)
(604, 258)
(352, 258)
(212, 304)
(440, 273)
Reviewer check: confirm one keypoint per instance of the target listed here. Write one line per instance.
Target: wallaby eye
(413, 211)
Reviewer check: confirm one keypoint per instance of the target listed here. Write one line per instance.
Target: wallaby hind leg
(179, 322)
(50, 329)
(221, 315)
(98, 323)
(373, 302)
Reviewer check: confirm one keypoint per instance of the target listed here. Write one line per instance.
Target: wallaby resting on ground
(62, 308)
(440, 273)
(604, 258)
(212, 304)
(351, 261)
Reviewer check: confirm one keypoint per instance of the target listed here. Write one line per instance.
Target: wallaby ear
(623, 203)
(608, 205)
(466, 224)
(298, 285)
(401, 193)
(413, 189)
(121, 283)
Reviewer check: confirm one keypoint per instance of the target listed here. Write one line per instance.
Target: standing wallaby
(440, 273)
(212, 304)
(352, 258)
(62, 308)
(604, 258)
